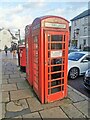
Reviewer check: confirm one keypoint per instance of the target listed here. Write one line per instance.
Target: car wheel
(74, 73)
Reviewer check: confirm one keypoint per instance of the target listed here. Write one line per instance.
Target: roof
(38, 19)
(83, 14)
(13, 37)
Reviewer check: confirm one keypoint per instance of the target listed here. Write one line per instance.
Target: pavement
(18, 100)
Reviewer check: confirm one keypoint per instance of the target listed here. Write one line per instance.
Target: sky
(16, 14)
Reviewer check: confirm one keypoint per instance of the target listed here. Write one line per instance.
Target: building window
(85, 30)
(75, 23)
(84, 42)
(85, 19)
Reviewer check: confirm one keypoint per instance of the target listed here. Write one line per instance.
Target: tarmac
(18, 100)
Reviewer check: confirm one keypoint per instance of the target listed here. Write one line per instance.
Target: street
(78, 85)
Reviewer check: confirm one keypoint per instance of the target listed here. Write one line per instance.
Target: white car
(78, 63)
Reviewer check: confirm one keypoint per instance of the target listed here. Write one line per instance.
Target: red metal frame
(40, 68)
(28, 43)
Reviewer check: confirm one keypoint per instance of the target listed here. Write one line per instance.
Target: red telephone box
(28, 44)
(50, 35)
(22, 52)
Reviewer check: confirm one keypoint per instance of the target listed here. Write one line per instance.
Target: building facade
(80, 30)
(6, 37)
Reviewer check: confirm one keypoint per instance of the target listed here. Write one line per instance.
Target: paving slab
(16, 80)
(0, 87)
(23, 74)
(9, 87)
(14, 76)
(21, 94)
(23, 85)
(16, 106)
(5, 97)
(8, 72)
(53, 113)
(10, 114)
(3, 73)
(2, 110)
(8, 69)
(84, 107)
(4, 81)
(57, 103)
(75, 97)
(71, 111)
(34, 104)
(5, 76)
(20, 117)
(0, 96)
(32, 115)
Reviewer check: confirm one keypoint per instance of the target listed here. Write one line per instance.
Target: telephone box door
(56, 52)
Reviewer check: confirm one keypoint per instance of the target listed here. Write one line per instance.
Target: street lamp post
(18, 34)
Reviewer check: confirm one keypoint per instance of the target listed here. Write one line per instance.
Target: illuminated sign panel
(56, 53)
(55, 25)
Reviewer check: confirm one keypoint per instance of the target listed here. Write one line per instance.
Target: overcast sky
(16, 15)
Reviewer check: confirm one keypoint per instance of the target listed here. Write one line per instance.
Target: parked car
(86, 48)
(87, 79)
(78, 63)
(74, 49)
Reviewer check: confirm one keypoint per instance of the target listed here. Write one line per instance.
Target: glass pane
(36, 46)
(49, 84)
(54, 90)
(56, 61)
(49, 92)
(49, 46)
(49, 62)
(63, 52)
(62, 74)
(48, 38)
(64, 37)
(55, 83)
(56, 37)
(56, 46)
(63, 45)
(49, 77)
(62, 87)
(49, 69)
(56, 68)
(56, 75)
(62, 67)
(35, 39)
(62, 81)
(48, 54)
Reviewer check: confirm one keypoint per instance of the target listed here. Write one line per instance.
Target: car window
(75, 56)
(87, 58)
